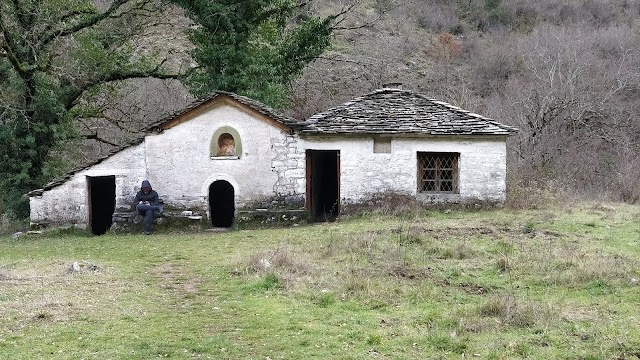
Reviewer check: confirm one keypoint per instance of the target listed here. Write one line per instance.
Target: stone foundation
(193, 221)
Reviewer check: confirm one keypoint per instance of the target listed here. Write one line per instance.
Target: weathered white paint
(69, 203)
(364, 174)
(271, 168)
(178, 164)
(181, 169)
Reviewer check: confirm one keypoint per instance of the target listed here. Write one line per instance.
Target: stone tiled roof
(250, 103)
(62, 179)
(395, 111)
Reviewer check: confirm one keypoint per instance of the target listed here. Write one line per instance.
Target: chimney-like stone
(392, 85)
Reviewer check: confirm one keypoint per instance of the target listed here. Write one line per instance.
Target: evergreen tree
(253, 47)
(56, 56)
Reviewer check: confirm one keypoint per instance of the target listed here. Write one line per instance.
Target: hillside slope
(566, 74)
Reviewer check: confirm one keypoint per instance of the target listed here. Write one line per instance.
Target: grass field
(503, 284)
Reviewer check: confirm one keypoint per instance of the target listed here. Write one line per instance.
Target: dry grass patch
(176, 277)
(40, 291)
(566, 262)
(280, 268)
(515, 312)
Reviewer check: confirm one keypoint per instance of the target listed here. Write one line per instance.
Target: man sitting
(148, 205)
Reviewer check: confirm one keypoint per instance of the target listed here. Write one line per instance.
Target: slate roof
(62, 179)
(396, 111)
(250, 103)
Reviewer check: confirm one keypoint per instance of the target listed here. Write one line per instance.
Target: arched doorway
(221, 197)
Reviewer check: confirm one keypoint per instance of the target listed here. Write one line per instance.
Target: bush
(8, 225)
(515, 313)
(439, 19)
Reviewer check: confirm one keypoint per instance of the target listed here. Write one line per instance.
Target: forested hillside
(566, 73)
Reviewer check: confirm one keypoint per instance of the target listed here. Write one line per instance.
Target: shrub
(439, 19)
(9, 225)
(512, 312)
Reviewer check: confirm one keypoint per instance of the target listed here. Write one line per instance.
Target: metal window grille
(438, 172)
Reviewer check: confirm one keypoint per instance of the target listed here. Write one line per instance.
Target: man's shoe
(147, 232)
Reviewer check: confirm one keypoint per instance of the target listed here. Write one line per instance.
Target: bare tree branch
(336, 59)
(85, 23)
(113, 77)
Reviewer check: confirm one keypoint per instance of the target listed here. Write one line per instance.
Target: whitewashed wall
(363, 173)
(181, 169)
(179, 165)
(69, 204)
(271, 168)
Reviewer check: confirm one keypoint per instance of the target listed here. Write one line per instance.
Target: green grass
(539, 284)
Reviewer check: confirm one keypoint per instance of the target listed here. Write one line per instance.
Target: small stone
(83, 266)
(264, 264)
(17, 235)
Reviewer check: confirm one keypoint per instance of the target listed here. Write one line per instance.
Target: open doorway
(221, 203)
(102, 202)
(323, 184)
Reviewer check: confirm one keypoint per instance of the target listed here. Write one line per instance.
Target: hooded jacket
(151, 197)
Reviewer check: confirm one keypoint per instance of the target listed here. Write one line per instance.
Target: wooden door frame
(309, 180)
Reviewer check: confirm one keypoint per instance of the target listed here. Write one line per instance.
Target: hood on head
(145, 184)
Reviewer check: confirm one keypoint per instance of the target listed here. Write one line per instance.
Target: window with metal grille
(438, 172)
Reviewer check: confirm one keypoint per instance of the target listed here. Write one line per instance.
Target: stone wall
(365, 174)
(289, 164)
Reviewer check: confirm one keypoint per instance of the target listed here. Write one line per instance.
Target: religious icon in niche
(226, 145)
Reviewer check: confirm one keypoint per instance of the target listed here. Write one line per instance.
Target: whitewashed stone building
(228, 156)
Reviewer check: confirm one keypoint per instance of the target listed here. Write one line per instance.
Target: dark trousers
(149, 212)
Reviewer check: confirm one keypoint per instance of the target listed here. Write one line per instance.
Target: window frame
(439, 179)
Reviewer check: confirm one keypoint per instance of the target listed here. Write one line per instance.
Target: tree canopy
(251, 47)
(58, 56)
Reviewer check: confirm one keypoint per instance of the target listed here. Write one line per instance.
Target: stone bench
(123, 220)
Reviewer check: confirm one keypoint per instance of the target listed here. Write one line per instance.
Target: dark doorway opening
(323, 184)
(221, 203)
(102, 203)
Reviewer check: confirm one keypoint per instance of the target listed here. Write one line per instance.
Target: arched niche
(225, 144)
